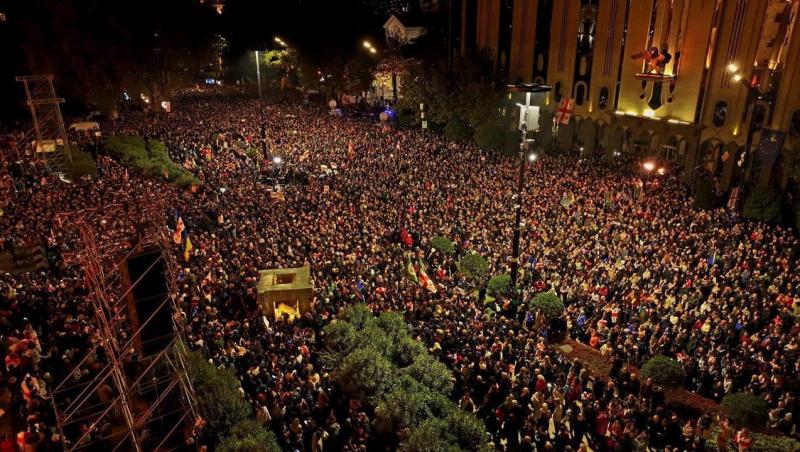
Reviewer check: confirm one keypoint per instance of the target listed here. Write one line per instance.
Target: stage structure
(129, 390)
(48, 124)
(285, 291)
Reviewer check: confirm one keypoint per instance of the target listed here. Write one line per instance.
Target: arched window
(720, 114)
(580, 93)
(603, 102)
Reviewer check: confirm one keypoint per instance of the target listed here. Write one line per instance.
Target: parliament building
(710, 85)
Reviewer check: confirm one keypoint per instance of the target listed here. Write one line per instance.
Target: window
(603, 102)
(720, 114)
(580, 93)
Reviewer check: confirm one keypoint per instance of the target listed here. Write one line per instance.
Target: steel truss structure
(48, 124)
(127, 401)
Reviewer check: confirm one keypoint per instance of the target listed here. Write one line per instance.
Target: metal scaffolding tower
(114, 396)
(48, 124)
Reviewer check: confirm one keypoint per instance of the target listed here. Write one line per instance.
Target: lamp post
(529, 118)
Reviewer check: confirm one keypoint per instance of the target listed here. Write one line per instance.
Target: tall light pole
(528, 119)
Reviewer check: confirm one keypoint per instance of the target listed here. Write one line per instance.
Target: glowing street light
(280, 41)
(662, 171)
(733, 68)
(648, 166)
(372, 50)
(277, 160)
(737, 77)
(532, 157)
(367, 45)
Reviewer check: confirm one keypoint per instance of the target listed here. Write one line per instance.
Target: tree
(490, 135)
(249, 436)
(499, 285)
(365, 373)
(443, 245)
(664, 371)
(703, 193)
(431, 373)
(456, 432)
(548, 302)
(457, 130)
(763, 204)
(219, 399)
(745, 410)
(473, 267)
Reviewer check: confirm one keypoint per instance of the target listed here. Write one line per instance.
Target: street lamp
(648, 166)
(277, 160)
(529, 117)
(367, 44)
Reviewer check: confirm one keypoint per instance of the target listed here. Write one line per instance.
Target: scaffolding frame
(145, 397)
(48, 124)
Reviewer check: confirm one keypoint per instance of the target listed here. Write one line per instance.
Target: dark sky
(317, 28)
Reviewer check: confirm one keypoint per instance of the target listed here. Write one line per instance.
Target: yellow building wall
(488, 26)
(737, 42)
(563, 45)
(523, 37)
(608, 37)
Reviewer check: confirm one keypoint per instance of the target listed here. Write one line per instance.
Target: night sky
(317, 28)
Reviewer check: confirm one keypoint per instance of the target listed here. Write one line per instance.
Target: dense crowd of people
(640, 271)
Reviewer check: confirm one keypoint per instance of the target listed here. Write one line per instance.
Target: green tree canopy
(499, 285)
(473, 266)
(664, 371)
(249, 436)
(443, 245)
(548, 302)
(745, 410)
(219, 399)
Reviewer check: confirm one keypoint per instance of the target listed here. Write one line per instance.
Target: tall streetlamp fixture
(528, 120)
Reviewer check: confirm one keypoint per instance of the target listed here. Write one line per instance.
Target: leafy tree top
(443, 245)
(473, 266)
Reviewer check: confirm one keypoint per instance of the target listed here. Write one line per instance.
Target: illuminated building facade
(693, 81)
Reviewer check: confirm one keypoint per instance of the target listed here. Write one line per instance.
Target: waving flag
(188, 249)
(410, 272)
(424, 280)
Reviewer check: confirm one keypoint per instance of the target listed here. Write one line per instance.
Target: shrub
(664, 371)
(499, 285)
(365, 373)
(489, 135)
(745, 410)
(82, 164)
(763, 204)
(457, 130)
(459, 431)
(249, 436)
(473, 267)
(150, 158)
(443, 245)
(551, 306)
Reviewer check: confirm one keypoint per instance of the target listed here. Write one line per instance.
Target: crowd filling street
(641, 273)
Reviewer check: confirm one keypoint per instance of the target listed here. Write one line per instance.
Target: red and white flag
(564, 111)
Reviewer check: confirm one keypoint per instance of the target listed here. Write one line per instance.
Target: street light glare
(662, 171)
(277, 160)
(648, 166)
(737, 77)
(533, 157)
(367, 45)
(372, 50)
(732, 68)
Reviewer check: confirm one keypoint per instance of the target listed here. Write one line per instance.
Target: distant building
(692, 81)
(395, 30)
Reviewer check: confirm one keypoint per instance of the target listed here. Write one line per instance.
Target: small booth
(285, 291)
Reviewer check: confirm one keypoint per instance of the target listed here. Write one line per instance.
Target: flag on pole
(410, 272)
(564, 111)
(424, 280)
(188, 249)
(177, 237)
